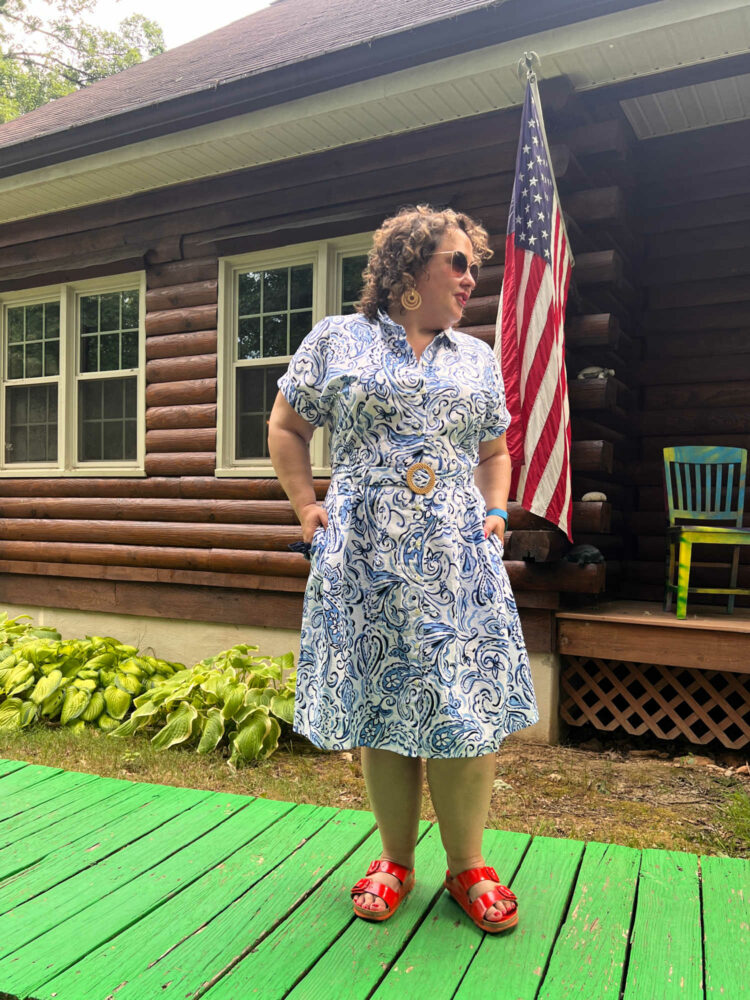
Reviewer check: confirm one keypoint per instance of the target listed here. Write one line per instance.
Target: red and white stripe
(529, 342)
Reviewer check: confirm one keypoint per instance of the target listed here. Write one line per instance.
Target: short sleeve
(303, 384)
(496, 417)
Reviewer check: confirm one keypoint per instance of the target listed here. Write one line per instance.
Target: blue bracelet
(500, 513)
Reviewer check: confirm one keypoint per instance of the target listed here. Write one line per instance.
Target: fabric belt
(420, 477)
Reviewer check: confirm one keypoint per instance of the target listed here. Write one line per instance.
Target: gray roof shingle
(287, 32)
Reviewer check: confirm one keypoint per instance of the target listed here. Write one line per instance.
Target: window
(268, 302)
(72, 383)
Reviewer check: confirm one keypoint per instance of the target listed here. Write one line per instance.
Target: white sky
(181, 20)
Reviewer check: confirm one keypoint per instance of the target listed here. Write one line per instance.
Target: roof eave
(286, 83)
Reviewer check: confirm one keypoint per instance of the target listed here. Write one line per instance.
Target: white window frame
(326, 257)
(69, 295)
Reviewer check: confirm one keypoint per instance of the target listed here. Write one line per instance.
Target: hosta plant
(235, 698)
(79, 681)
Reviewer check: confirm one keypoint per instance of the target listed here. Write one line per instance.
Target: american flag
(529, 340)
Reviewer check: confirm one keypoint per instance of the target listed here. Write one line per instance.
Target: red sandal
(391, 896)
(458, 886)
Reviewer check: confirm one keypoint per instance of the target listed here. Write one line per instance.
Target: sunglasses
(460, 263)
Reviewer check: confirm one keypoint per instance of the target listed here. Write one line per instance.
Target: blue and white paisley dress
(411, 640)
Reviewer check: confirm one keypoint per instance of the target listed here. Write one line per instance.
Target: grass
(614, 794)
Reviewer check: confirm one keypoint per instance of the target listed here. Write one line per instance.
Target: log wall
(694, 374)
(150, 543)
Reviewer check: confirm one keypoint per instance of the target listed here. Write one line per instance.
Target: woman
(411, 645)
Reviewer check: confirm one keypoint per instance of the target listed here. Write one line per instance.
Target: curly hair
(402, 247)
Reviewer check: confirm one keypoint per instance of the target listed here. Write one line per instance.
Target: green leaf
(213, 731)
(270, 740)
(46, 686)
(285, 662)
(29, 713)
(283, 708)
(78, 726)
(107, 724)
(94, 708)
(51, 706)
(117, 702)
(75, 702)
(10, 714)
(235, 699)
(126, 728)
(179, 727)
(248, 741)
(128, 682)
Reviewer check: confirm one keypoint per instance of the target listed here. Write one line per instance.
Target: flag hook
(526, 65)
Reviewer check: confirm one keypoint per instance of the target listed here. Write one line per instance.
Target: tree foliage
(49, 48)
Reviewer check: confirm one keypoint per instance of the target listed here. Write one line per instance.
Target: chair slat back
(705, 483)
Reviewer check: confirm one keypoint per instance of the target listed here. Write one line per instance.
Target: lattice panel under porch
(670, 702)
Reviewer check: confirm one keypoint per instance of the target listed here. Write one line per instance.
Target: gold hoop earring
(411, 299)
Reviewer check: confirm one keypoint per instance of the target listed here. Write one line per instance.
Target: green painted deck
(135, 891)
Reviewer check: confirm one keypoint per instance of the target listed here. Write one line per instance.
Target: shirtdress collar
(390, 326)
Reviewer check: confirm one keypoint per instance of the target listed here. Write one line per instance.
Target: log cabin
(169, 234)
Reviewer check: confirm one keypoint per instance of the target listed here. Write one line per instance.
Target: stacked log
(695, 372)
(181, 313)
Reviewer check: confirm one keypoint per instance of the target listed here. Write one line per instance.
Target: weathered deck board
(147, 890)
(726, 926)
(665, 952)
(190, 911)
(589, 954)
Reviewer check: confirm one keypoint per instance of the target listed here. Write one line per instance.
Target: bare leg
(394, 786)
(461, 789)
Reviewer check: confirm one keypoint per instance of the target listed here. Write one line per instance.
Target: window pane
(275, 285)
(34, 322)
(52, 321)
(110, 312)
(249, 293)
(33, 359)
(37, 442)
(256, 392)
(15, 325)
(299, 326)
(274, 336)
(130, 310)
(109, 352)
(113, 440)
(89, 314)
(15, 361)
(36, 407)
(301, 295)
(107, 420)
(109, 316)
(250, 436)
(131, 444)
(248, 342)
(52, 358)
(112, 400)
(351, 280)
(130, 349)
(89, 354)
(31, 423)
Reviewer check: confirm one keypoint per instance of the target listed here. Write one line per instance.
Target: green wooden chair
(705, 486)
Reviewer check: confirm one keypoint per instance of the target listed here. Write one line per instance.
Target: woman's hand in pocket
(312, 516)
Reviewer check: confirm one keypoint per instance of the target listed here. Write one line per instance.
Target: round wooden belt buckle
(420, 467)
